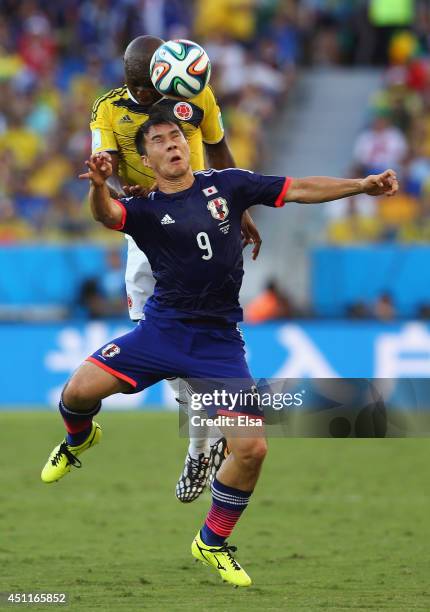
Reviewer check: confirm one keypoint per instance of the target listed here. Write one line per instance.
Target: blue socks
(78, 424)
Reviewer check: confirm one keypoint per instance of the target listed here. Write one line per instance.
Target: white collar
(131, 97)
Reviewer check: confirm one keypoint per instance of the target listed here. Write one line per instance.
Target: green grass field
(334, 524)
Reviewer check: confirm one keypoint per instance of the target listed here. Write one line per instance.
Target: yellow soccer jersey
(116, 118)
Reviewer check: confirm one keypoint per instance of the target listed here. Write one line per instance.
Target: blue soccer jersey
(192, 239)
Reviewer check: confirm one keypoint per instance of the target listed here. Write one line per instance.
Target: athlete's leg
(123, 366)
(79, 403)
(234, 483)
(89, 385)
(242, 467)
(197, 465)
(231, 491)
(238, 475)
(81, 399)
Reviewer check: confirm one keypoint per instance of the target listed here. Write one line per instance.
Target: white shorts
(139, 281)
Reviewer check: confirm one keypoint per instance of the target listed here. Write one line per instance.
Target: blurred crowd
(396, 135)
(56, 58)
(274, 304)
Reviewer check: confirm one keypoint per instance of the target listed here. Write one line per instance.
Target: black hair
(156, 117)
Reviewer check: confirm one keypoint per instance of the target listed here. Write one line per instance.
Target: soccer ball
(180, 69)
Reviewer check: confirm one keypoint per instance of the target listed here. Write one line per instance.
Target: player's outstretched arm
(315, 189)
(103, 207)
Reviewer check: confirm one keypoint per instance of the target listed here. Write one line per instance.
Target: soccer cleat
(219, 452)
(222, 560)
(64, 456)
(193, 479)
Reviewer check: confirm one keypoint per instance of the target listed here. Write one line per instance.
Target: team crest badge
(111, 350)
(183, 111)
(218, 209)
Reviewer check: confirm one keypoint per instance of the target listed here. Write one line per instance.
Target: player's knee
(252, 454)
(77, 396)
(259, 450)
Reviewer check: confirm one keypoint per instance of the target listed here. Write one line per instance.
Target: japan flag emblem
(210, 190)
(218, 209)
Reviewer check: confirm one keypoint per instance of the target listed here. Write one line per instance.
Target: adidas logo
(126, 119)
(166, 220)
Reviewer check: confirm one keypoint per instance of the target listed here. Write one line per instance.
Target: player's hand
(99, 168)
(139, 190)
(381, 184)
(250, 234)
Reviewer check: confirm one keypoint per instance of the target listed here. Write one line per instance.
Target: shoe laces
(64, 450)
(227, 550)
(197, 468)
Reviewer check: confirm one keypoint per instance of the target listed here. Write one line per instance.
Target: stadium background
(339, 289)
(306, 87)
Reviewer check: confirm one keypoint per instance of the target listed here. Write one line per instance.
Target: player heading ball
(190, 230)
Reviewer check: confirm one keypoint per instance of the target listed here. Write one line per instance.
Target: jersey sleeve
(102, 134)
(212, 127)
(132, 217)
(251, 188)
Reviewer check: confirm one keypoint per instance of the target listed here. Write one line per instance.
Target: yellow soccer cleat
(222, 560)
(63, 456)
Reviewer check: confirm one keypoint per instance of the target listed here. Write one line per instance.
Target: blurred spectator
(379, 147)
(395, 213)
(12, 226)
(36, 44)
(263, 75)
(228, 60)
(354, 226)
(384, 309)
(284, 37)
(91, 299)
(424, 311)
(235, 17)
(67, 217)
(23, 143)
(112, 283)
(358, 310)
(270, 305)
(105, 296)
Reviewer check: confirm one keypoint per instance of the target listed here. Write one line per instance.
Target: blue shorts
(211, 354)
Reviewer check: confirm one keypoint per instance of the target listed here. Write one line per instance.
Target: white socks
(198, 446)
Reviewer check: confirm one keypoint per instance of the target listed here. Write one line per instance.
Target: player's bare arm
(316, 189)
(103, 207)
(113, 182)
(219, 156)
